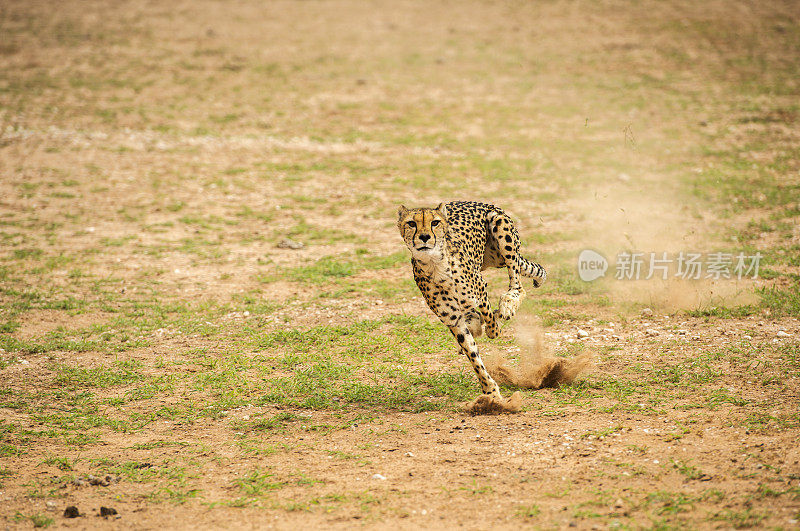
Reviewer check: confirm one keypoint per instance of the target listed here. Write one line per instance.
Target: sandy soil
(152, 158)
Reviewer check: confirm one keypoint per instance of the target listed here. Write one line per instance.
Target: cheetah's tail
(533, 270)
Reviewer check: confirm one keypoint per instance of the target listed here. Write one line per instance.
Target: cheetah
(450, 245)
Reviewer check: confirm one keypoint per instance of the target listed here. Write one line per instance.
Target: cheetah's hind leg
(504, 241)
(474, 323)
(510, 301)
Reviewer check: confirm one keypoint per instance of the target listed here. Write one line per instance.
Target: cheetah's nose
(424, 237)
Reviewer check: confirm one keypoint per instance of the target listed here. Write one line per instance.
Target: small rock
(647, 312)
(619, 504)
(781, 333)
(624, 177)
(608, 330)
(748, 338)
(615, 338)
(650, 332)
(51, 505)
(378, 476)
(286, 243)
(682, 332)
(79, 482)
(71, 512)
(696, 338)
(409, 454)
(107, 511)
(582, 333)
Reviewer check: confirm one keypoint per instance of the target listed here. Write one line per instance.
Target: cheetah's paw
(509, 303)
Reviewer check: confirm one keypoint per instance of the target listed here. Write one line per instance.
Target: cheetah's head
(424, 230)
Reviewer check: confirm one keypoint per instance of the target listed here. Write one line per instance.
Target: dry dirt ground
(162, 354)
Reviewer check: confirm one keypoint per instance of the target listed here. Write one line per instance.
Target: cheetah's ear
(442, 210)
(402, 211)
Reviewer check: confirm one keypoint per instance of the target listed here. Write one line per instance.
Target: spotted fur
(450, 245)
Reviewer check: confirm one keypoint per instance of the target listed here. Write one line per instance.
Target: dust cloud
(653, 217)
(535, 368)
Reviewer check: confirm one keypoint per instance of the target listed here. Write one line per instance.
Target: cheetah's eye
(411, 224)
(435, 222)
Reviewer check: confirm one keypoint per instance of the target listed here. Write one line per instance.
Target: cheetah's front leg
(470, 348)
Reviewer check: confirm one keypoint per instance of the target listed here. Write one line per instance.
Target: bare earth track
(156, 336)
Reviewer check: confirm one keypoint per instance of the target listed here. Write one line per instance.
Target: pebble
(582, 333)
(286, 243)
(378, 476)
(409, 454)
(647, 312)
(51, 505)
(781, 333)
(682, 332)
(651, 332)
(107, 511)
(104, 481)
(71, 512)
(608, 330)
(748, 338)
